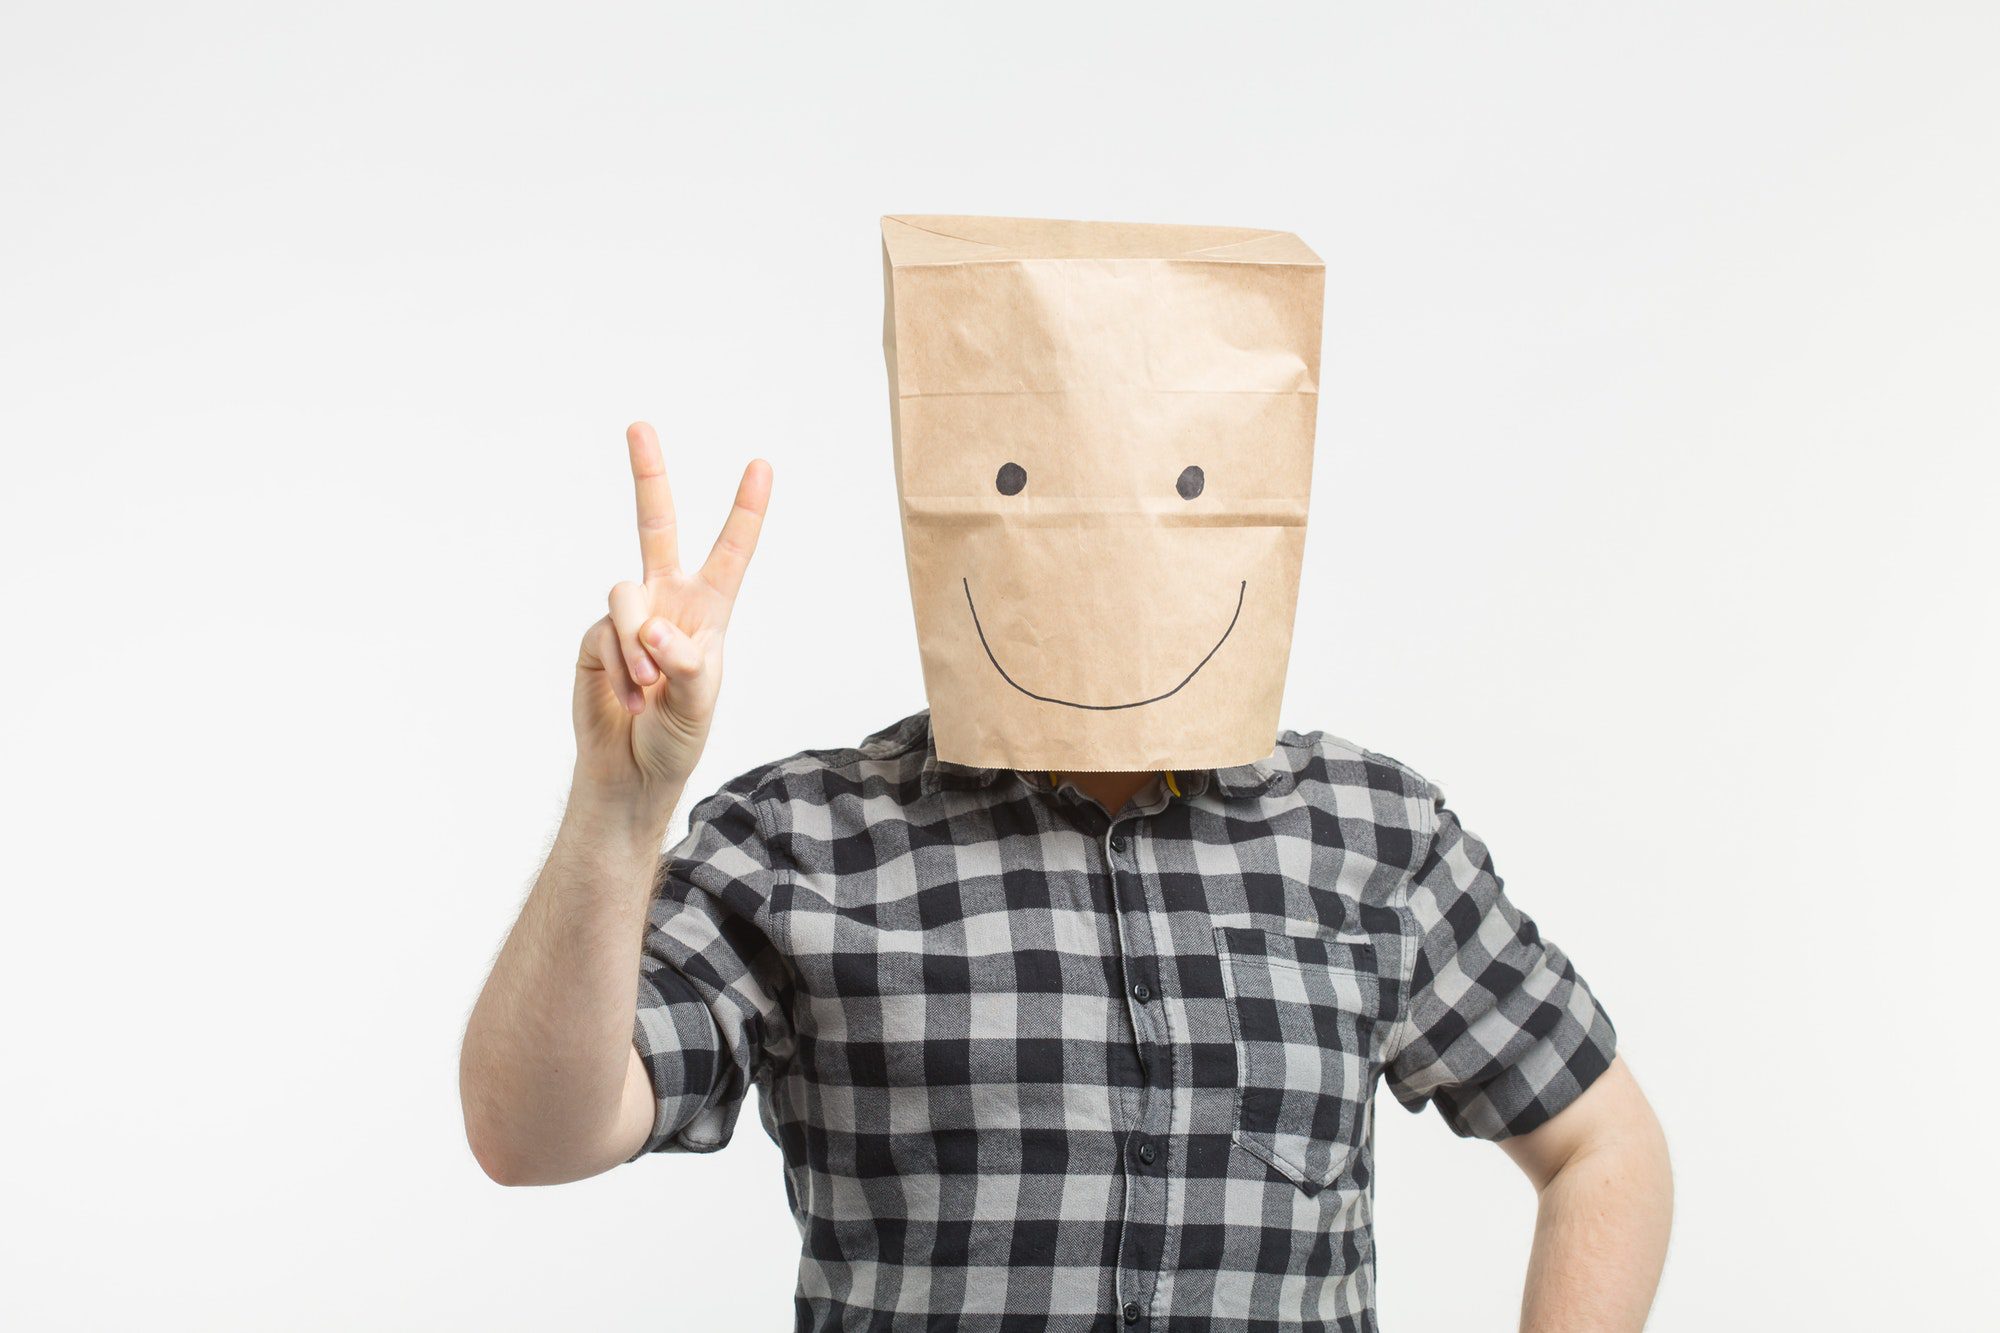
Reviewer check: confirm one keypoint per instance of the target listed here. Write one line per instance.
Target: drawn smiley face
(1011, 480)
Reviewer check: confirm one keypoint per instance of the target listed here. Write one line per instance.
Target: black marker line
(1241, 588)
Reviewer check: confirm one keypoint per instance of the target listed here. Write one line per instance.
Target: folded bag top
(942, 239)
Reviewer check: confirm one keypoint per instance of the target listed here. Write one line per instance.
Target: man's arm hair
(552, 1088)
(1605, 1184)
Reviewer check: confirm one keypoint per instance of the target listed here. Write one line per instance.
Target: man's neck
(1110, 790)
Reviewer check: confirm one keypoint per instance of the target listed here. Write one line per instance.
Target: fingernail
(642, 671)
(656, 634)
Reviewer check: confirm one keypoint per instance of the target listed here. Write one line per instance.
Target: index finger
(659, 548)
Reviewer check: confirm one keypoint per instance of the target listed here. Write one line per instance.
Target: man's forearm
(544, 1070)
(1600, 1239)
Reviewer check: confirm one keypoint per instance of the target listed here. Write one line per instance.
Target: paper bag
(1103, 437)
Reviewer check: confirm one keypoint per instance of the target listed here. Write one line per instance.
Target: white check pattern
(1032, 1068)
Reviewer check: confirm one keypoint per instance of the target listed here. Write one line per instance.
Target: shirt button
(1117, 842)
(1147, 1154)
(1131, 1312)
(1141, 992)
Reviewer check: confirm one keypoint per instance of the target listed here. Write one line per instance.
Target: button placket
(1147, 1159)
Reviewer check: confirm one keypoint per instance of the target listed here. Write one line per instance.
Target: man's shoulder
(1369, 803)
(890, 760)
(1353, 781)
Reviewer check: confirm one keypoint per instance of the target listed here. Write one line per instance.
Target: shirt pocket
(1304, 1012)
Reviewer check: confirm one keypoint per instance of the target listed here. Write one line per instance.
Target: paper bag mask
(1103, 440)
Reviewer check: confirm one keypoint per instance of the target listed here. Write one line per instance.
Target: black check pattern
(1035, 1068)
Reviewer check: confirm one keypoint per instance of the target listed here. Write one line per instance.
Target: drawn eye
(1190, 482)
(1011, 479)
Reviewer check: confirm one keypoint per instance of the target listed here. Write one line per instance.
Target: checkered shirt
(1035, 1068)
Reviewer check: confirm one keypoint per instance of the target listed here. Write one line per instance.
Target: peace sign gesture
(649, 671)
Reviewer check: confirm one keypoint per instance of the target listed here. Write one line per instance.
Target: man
(1066, 1050)
(964, 1144)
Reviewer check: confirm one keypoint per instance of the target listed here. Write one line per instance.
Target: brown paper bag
(1103, 441)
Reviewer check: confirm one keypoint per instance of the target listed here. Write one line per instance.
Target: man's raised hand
(648, 672)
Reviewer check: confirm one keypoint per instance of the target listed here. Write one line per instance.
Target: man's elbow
(519, 1142)
(505, 1163)
(498, 1153)
(511, 1156)
(497, 1150)
(501, 1167)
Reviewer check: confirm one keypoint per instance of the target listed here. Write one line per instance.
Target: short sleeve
(1499, 1029)
(710, 1013)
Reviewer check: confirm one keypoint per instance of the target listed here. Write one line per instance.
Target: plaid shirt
(1035, 1068)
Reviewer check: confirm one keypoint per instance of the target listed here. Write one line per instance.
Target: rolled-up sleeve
(1498, 1028)
(710, 1013)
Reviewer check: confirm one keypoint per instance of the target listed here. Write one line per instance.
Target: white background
(1656, 462)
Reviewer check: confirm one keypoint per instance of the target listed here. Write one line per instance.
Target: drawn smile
(1071, 703)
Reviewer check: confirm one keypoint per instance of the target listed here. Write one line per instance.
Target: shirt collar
(1253, 779)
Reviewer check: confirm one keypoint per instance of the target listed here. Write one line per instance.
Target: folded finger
(629, 608)
(678, 655)
(602, 644)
